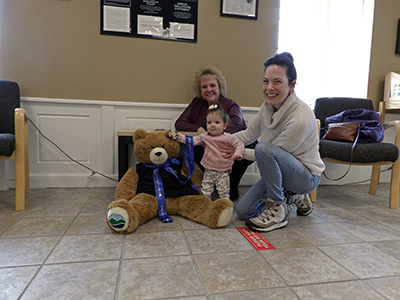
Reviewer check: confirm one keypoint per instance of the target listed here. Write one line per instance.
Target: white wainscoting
(86, 131)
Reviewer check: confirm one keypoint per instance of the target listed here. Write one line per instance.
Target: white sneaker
(274, 216)
(303, 203)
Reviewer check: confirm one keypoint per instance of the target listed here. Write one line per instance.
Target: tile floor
(61, 248)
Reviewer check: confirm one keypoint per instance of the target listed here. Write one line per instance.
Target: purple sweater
(194, 116)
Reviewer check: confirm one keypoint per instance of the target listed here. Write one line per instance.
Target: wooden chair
(365, 154)
(14, 143)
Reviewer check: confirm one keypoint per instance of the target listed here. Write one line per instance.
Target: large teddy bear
(135, 198)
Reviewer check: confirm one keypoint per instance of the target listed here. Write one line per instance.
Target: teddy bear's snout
(158, 156)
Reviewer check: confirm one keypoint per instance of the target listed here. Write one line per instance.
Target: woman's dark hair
(218, 109)
(284, 59)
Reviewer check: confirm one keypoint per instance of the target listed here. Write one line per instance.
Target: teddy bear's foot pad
(118, 218)
(225, 216)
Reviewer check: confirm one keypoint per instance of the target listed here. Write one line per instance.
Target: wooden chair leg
(19, 180)
(26, 153)
(20, 158)
(394, 186)
(376, 170)
(313, 195)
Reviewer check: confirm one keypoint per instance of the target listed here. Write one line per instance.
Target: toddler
(214, 140)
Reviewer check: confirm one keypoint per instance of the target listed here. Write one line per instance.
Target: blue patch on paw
(117, 221)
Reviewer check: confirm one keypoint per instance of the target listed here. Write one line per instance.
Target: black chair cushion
(363, 152)
(7, 144)
(9, 101)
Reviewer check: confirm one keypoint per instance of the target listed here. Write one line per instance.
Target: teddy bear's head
(154, 146)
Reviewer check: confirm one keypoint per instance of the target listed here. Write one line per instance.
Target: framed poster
(168, 20)
(240, 8)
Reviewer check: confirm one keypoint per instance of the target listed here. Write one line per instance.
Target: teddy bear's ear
(139, 134)
(167, 133)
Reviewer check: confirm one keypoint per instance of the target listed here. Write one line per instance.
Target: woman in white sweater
(287, 153)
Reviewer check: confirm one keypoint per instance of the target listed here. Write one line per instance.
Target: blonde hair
(209, 70)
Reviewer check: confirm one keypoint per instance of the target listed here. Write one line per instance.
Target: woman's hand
(237, 157)
(227, 151)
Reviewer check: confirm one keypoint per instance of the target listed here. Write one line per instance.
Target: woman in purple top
(210, 88)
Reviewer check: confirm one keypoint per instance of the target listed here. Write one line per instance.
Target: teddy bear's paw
(225, 216)
(118, 218)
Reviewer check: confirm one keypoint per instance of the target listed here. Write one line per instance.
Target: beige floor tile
(295, 220)
(325, 234)
(190, 298)
(154, 244)
(102, 193)
(41, 194)
(390, 247)
(25, 251)
(7, 194)
(305, 266)
(236, 271)
(7, 209)
(387, 286)
(29, 227)
(364, 260)
(155, 278)
(395, 225)
(326, 191)
(337, 291)
(8, 221)
(59, 194)
(90, 280)
(236, 222)
(96, 206)
(332, 214)
(88, 225)
(368, 230)
(14, 280)
(220, 240)
(344, 201)
(54, 208)
(265, 294)
(74, 248)
(286, 238)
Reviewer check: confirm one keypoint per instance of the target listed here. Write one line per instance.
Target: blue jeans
(281, 173)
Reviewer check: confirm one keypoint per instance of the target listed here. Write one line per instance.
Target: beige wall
(383, 58)
(53, 49)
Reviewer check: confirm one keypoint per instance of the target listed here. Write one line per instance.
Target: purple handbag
(371, 130)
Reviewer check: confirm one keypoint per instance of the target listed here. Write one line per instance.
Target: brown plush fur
(143, 207)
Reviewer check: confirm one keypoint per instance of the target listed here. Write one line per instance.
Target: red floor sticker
(256, 239)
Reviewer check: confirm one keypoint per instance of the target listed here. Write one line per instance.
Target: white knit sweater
(293, 128)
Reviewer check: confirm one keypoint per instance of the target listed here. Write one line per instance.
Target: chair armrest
(21, 120)
(21, 127)
(390, 124)
(396, 125)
